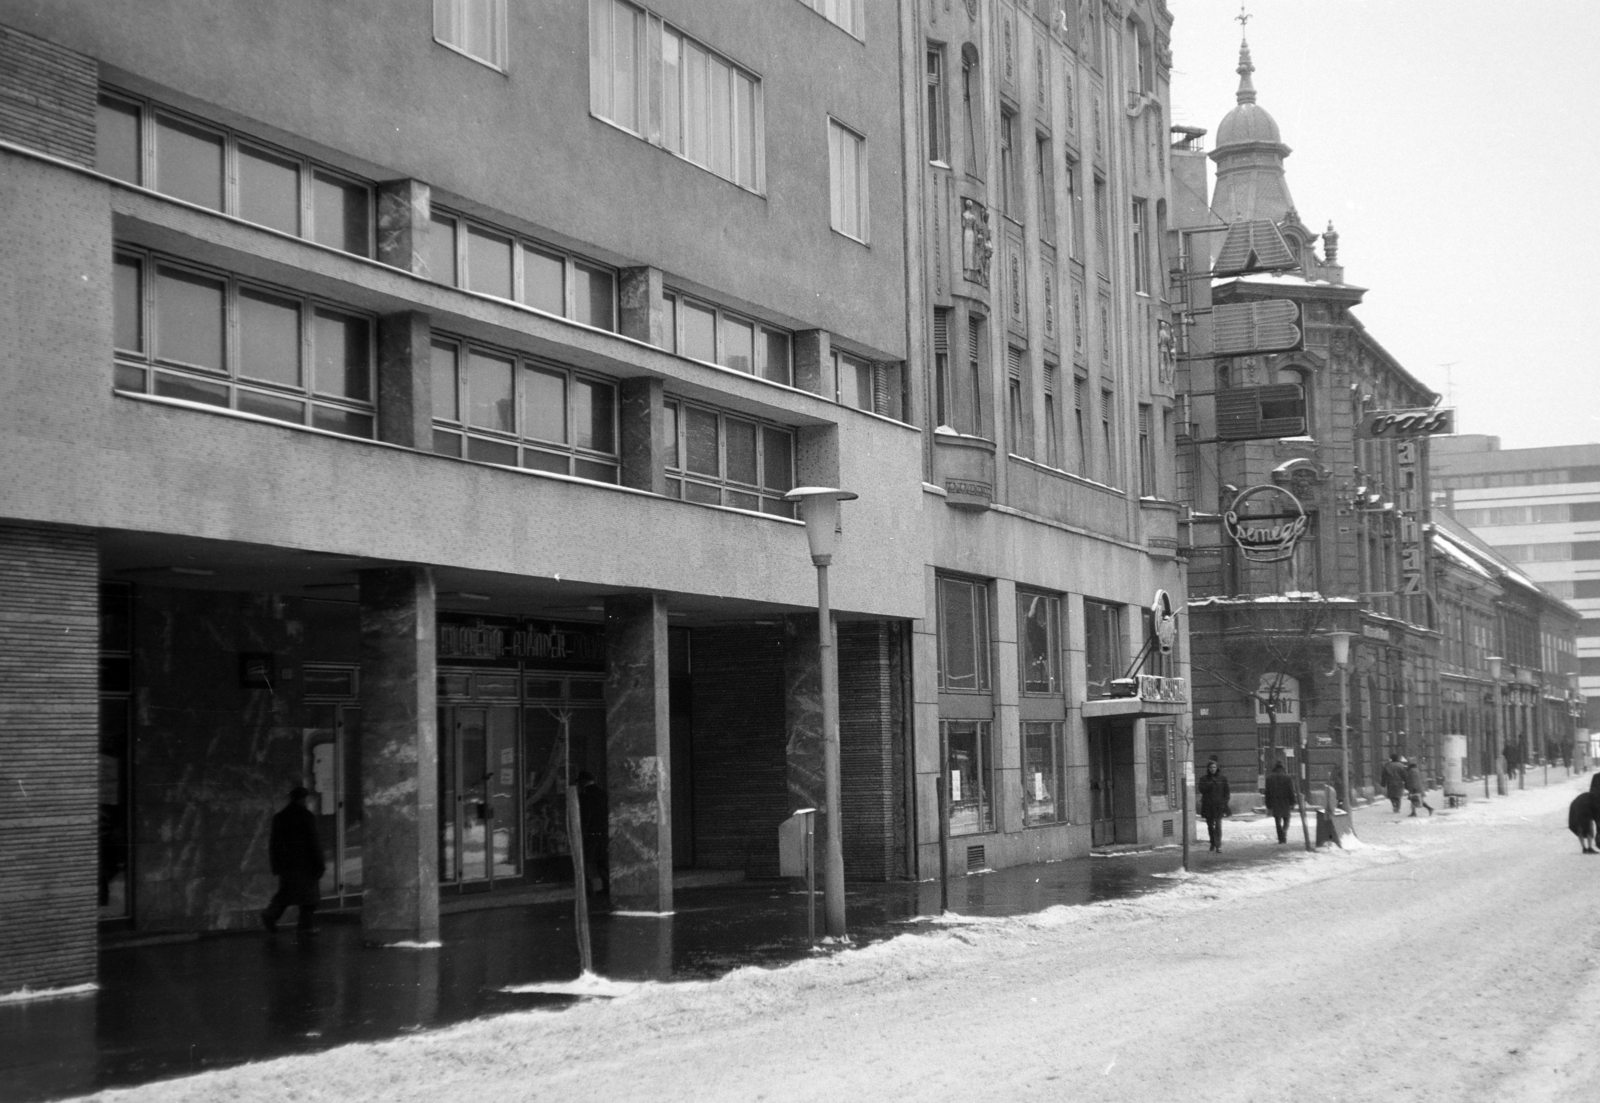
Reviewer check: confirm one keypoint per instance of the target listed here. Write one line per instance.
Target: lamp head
(1341, 648)
(1496, 665)
(819, 509)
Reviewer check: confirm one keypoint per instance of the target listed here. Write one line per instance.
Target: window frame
(520, 437)
(1110, 615)
(653, 103)
(937, 104)
(770, 498)
(139, 371)
(1054, 739)
(1140, 231)
(861, 226)
(982, 820)
(856, 28)
(149, 114)
(521, 245)
(760, 365)
(455, 13)
(982, 617)
(1054, 681)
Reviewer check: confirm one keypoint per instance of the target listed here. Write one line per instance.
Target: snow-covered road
(1452, 958)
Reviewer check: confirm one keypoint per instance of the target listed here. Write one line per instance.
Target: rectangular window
(963, 635)
(1147, 454)
(190, 160)
(1039, 642)
(476, 28)
(710, 109)
(854, 378)
(1074, 210)
(1105, 655)
(705, 332)
(1052, 417)
(845, 14)
(941, 366)
(1108, 465)
(1043, 788)
(1141, 282)
(1045, 183)
(722, 459)
(969, 780)
(937, 108)
(1100, 259)
(498, 407)
(1016, 403)
(237, 344)
(1010, 206)
(969, 417)
(847, 180)
(490, 261)
(1080, 388)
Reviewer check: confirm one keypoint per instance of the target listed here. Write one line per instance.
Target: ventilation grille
(975, 859)
(1166, 829)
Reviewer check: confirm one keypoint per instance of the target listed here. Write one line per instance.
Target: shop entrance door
(333, 774)
(1102, 787)
(479, 811)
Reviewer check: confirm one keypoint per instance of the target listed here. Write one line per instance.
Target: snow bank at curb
(28, 995)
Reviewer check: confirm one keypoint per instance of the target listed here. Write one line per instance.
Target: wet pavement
(175, 1008)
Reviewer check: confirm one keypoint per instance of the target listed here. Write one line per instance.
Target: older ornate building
(1305, 476)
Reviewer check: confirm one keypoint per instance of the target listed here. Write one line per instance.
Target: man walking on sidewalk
(1394, 780)
(295, 851)
(1280, 800)
(1415, 788)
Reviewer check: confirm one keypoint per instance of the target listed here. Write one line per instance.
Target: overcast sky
(1453, 144)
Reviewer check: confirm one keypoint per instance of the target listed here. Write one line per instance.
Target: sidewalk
(168, 1009)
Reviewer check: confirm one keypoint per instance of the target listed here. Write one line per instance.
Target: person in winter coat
(1394, 780)
(1415, 788)
(1580, 820)
(1214, 797)
(295, 851)
(1280, 800)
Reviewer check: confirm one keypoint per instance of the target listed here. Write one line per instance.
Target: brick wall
(740, 773)
(49, 756)
(47, 97)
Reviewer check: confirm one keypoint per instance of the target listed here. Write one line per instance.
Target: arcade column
(49, 756)
(638, 752)
(399, 756)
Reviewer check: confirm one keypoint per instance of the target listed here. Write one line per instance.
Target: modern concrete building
(1539, 508)
(1309, 507)
(401, 402)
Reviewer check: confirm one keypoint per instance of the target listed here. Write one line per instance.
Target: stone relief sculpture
(977, 241)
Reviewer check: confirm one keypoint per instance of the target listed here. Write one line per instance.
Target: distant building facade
(1295, 530)
(1539, 509)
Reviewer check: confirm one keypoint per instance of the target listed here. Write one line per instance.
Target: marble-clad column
(405, 380)
(405, 210)
(644, 317)
(802, 703)
(399, 756)
(644, 434)
(639, 752)
(813, 361)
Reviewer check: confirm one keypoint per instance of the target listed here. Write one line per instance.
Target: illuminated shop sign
(1266, 522)
(1398, 424)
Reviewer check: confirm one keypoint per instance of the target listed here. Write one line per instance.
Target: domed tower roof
(1249, 156)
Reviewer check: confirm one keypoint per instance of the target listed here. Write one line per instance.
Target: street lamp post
(1341, 659)
(1496, 663)
(819, 509)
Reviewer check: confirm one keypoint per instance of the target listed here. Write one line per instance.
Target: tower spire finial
(1247, 91)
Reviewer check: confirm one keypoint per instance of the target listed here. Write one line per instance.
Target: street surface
(1445, 958)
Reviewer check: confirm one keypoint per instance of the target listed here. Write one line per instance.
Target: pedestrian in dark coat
(1214, 797)
(295, 851)
(1415, 788)
(1394, 780)
(594, 814)
(1580, 820)
(1280, 800)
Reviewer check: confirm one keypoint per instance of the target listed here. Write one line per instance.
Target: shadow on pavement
(177, 1008)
